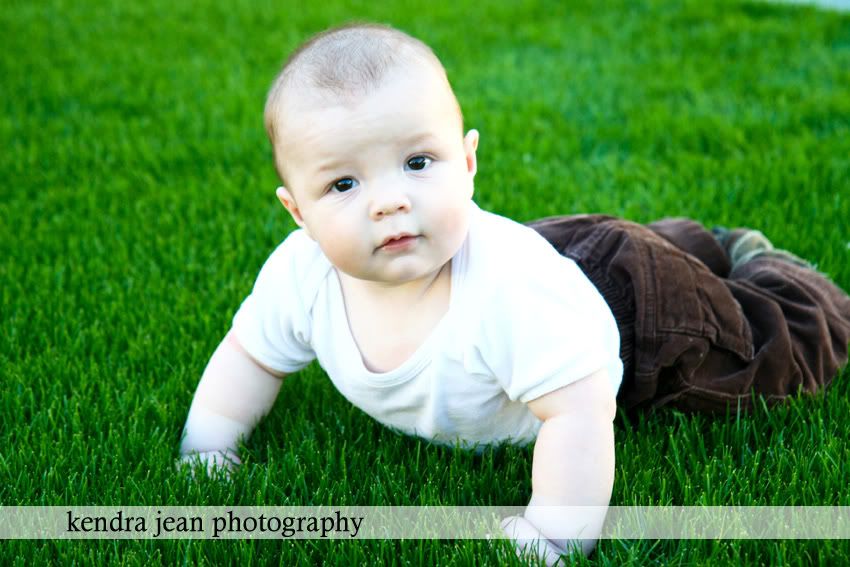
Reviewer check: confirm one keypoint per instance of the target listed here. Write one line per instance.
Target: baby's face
(390, 163)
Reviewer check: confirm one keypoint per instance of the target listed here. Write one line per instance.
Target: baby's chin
(391, 276)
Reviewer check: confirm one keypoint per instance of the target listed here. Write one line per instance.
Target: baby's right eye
(344, 184)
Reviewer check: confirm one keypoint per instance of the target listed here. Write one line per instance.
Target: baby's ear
(288, 201)
(470, 144)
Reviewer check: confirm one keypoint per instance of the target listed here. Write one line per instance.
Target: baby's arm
(234, 393)
(573, 466)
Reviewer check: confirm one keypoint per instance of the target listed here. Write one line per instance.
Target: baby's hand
(214, 462)
(527, 538)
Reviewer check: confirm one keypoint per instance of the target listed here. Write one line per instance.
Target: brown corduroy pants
(695, 334)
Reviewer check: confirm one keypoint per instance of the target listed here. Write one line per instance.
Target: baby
(458, 325)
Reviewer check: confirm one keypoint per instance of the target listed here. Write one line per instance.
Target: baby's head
(368, 141)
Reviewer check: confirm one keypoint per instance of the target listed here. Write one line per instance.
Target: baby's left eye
(418, 162)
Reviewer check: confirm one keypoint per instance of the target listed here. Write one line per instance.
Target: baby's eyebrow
(415, 139)
(420, 138)
(327, 165)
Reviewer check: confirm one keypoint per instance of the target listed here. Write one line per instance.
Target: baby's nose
(389, 203)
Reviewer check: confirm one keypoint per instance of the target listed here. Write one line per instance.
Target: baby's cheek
(453, 223)
(339, 247)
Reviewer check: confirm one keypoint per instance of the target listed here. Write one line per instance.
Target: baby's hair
(343, 62)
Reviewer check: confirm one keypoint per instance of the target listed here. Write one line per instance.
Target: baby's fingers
(214, 463)
(528, 538)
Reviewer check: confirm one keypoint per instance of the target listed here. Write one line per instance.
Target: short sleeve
(546, 327)
(272, 323)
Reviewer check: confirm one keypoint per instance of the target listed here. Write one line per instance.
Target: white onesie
(522, 321)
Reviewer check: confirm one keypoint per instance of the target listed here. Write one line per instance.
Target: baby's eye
(418, 162)
(344, 184)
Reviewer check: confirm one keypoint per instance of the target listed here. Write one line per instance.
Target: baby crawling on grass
(454, 324)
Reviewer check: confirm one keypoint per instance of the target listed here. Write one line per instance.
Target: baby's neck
(389, 323)
(405, 294)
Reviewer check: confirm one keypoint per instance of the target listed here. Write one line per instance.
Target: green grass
(137, 206)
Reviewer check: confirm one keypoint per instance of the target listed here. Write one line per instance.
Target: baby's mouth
(398, 241)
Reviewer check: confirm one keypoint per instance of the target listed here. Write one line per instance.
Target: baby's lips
(397, 236)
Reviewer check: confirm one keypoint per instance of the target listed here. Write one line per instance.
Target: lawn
(137, 206)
